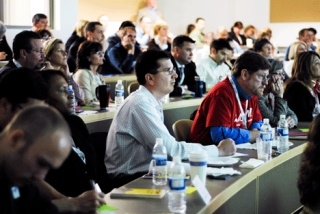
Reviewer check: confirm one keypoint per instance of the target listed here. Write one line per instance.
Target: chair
(181, 129)
(98, 141)
(133, 87)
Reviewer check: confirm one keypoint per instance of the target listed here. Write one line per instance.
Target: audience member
(78, 32)
(197, 34)
(56, 57)
(39, 21)
(5, 50)
(230, 109)
(264, 48)
(303, 36)
(150, 10)
(144, 31)
(223, 34)
(295, 49)
(271, 103)
(34, 141)
(213, 69)
(104, 20)
(89, 59)
(161, 40)
(302, 91)
(313, 38)
(94, 33)
(123, 55)
(309, 174)
(116, 38)
(45, 34)
(200, 54)
(75, 176)
(27, 52)
(235, 33)
(139, 122)
(250, 34)
(190, 28)
(181, 58)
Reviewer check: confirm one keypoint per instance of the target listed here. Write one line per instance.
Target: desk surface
(223, 191)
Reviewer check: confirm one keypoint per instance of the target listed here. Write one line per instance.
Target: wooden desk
(113, 79)
(174, 110)
(270, 188)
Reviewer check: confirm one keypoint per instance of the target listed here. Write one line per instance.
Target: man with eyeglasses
(139, 121)
(271, 103)
(27, 52)
(230, 109)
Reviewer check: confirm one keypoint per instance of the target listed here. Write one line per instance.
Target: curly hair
(309, 173)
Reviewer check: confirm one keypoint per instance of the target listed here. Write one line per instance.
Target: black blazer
(7, 68)
(233, 36)
(189, 74)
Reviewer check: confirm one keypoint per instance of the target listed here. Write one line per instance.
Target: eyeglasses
(101, 53)
(170, 71)
(262, 78)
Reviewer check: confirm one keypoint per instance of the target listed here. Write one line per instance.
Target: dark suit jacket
(189, 74)
(72, 54)
(8, 67)
(233, 36)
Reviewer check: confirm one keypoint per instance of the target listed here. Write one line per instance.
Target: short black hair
(220, 44)
(251, 61)
(91, 26)
(314, 31)
(126, 24)
(179, 40)
(258, 45)
(23, 41)
(36, 18)
(147, 62)
(30, 83)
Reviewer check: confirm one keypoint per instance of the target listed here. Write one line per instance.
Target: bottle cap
(282, 116)
(119, 81)
(266, 120)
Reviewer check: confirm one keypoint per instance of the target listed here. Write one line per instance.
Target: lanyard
(242, 114)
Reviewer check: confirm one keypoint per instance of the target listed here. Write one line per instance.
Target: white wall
(180, 13)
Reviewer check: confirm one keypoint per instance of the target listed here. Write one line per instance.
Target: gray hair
(3, 28)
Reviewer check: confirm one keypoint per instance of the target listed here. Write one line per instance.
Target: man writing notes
(230, 109)
(139, 121)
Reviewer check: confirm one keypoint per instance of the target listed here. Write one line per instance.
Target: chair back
(133, 87)
(181, 129)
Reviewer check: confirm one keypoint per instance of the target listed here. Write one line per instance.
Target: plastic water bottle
(159, 171)
(71, 92)
(119, 94)
(177, 185)
(316, 111)
(266, 138)
(283, 134)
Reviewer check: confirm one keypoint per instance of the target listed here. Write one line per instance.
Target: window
(19, 13)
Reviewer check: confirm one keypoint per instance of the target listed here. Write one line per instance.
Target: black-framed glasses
(262, 78)
(101, 53)
(40, 52)
(170, 71)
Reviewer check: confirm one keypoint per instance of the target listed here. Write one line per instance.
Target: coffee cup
(198, 165)
(103, 95)
(199, 86)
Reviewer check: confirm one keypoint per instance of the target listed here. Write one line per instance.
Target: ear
(17, 139)
(5, 106)
(213, 50)
(149, 79)
(23, 53)
(245, 74)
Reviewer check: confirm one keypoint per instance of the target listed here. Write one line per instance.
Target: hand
(227, 147)
(46, 65)
(290, 121)
(254, 134)
(277, 87)
(3, 55)
(88, 201)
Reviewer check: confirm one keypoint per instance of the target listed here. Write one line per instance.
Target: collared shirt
(212, 72)
(17, 63)
(133, 133)
(181, 74)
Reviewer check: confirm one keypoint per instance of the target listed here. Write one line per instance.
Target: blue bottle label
(177, 183)
(283, 132)
(161, 161)
(203, 163)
